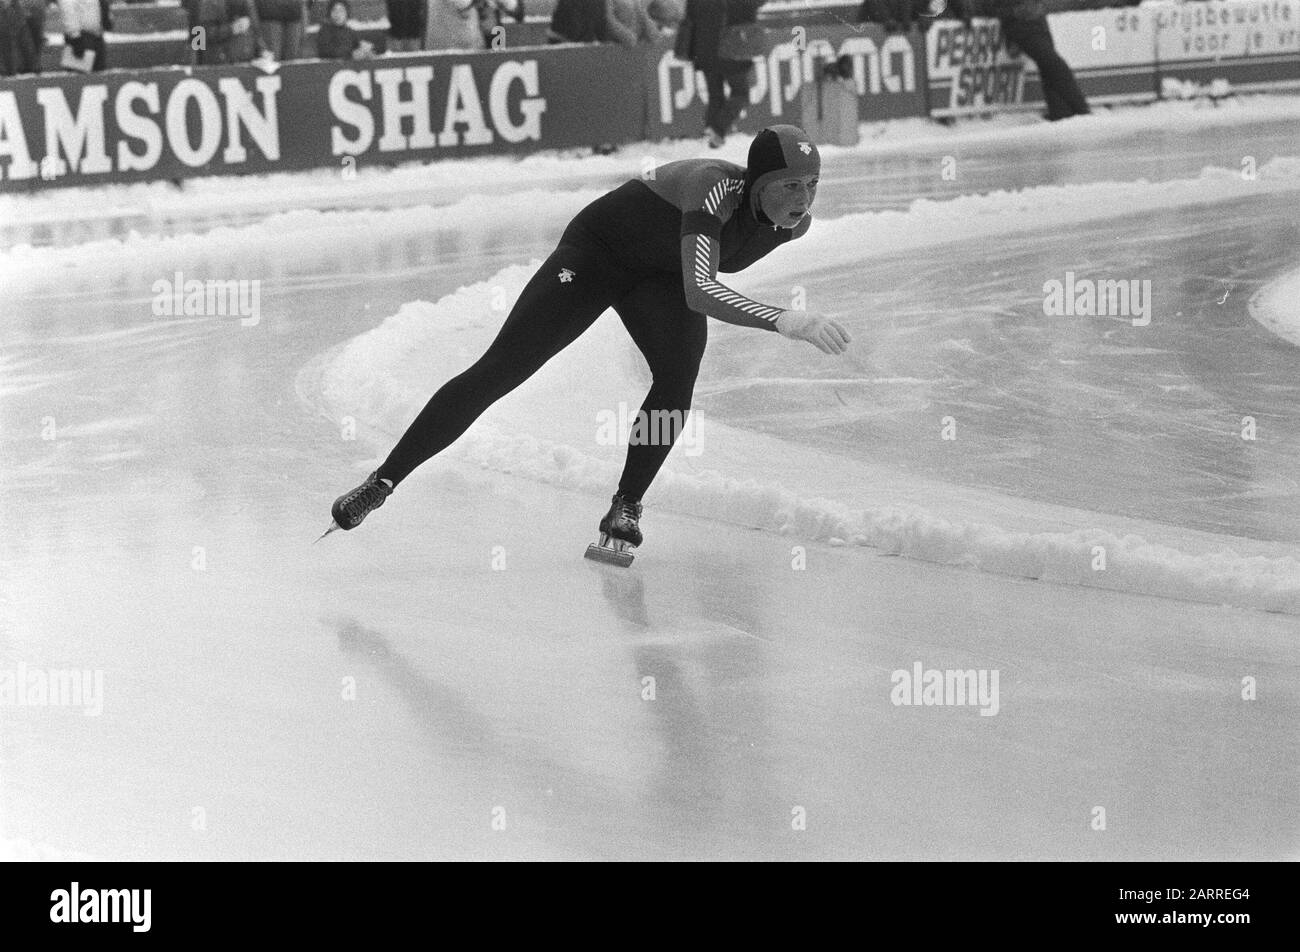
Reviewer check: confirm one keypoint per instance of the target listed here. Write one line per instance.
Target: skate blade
(334, 527)
(603, 553)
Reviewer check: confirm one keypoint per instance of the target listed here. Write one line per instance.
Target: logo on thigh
(565, 275)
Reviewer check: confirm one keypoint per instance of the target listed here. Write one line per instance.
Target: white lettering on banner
(350, 112)
(84, 134)
(178, 134)
(783, 53)
(13, 140)
(395, 107)
(79, 143)
(676, 97)
(531, 106)
(464, 122)
(264, 126)
(888, 69)
(132, 125)
(463, 106)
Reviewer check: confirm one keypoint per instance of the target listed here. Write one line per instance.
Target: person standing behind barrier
(631, 23)
(405, 25)
(896, 16)
(1024, 24)
(84, 25)
(229, 30)
(582, 21)
(281, 27)
(492, 15)
(698, 39)
(336, 39)
(452, 25)
(16, 53)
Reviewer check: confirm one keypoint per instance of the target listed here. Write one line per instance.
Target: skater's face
(786, 201)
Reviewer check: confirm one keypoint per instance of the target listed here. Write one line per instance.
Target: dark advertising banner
(887, 71)
(174, 123)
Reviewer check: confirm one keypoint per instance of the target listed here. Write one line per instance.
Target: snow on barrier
(63, 129)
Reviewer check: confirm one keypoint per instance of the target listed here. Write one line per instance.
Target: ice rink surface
(453, 680)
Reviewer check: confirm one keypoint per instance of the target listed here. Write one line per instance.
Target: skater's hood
(778, 152)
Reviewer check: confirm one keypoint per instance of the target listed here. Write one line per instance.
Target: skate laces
(369, 494)
(628, 509)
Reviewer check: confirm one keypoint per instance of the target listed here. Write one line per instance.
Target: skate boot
(619, 533)
(352, 507)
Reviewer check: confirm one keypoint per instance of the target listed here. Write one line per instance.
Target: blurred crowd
(710, 33)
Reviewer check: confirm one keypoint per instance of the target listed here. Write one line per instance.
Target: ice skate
(619, 533)
(352, 507)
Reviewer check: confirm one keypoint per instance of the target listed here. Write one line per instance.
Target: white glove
(826, 335)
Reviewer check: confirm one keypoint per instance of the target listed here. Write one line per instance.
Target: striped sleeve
(701, 252)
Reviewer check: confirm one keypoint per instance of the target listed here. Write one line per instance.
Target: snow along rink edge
(384, 376)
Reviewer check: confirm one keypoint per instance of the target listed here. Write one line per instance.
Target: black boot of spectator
(1060, 89)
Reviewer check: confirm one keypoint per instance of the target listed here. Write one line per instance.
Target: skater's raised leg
(572, 288)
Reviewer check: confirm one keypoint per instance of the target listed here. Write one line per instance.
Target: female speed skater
(651, 249)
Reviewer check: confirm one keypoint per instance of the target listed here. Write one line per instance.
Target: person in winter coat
(582, 21)
(405, 25)
(699, 37)
(631, 23)
(1024, 23)
(229, 30)
(336, 39)
(495, 13)
(22, 36)
(896, 16)
(452, 25)
(84, 24)
(15, 42)
(281, 26)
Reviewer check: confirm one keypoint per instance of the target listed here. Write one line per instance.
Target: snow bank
(836, 243)
(547, 431)
(1277, 307)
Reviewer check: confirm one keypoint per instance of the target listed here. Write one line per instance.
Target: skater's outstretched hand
(826, 335)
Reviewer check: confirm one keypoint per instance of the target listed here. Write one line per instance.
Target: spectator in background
(493, 13)
(452, 25)
(34, 17)
(630, 23)
(17, 55)
(896, 16)
(229, 30)
(698, 39)
(280, 25)
(667, 14)
(1024, 23)
(336, 39)
(580, 21)
(405, 25)
(84, 24)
